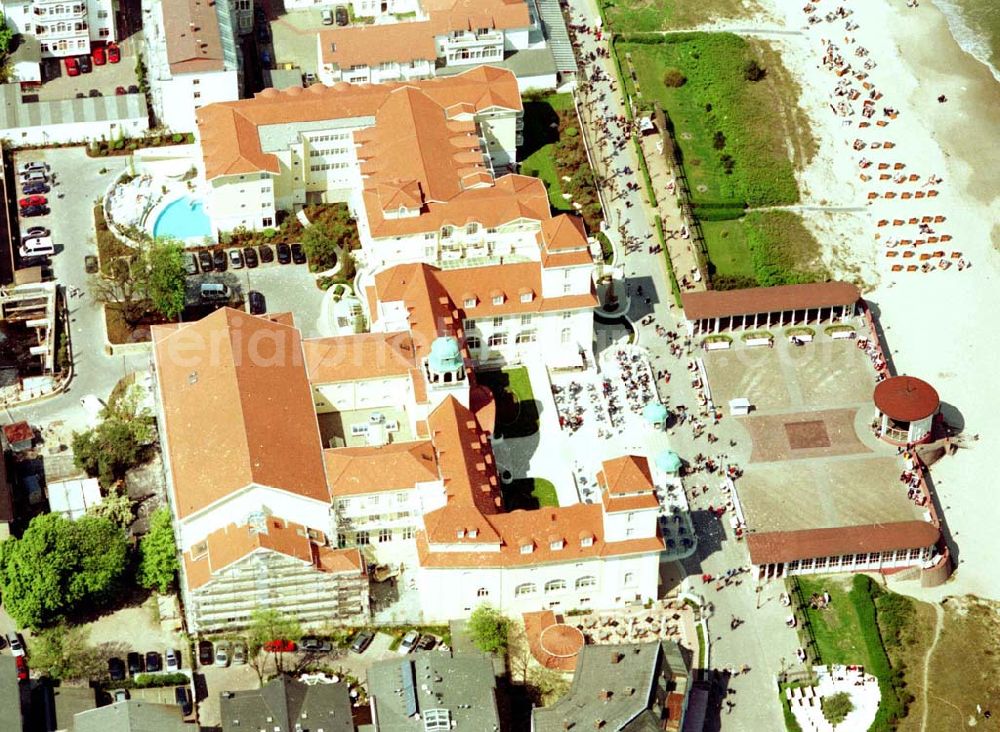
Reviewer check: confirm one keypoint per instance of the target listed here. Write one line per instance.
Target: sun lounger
(919, 194)
(890, 194)
(926, 220)
(897, 268)
(956, 255)
(883, 222)
(932, 240)
(911, 268)
(892, 253)
(939, 219)
(897, 222)
(912, 221)
(872, 194)
(908, 254)
(945, 237)
(884, 176)
(883, 166)
(932, 194)
(906, 195)
(918, 242)
(924, 257)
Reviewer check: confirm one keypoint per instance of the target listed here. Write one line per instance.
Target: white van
(39, 246)
(214, 291)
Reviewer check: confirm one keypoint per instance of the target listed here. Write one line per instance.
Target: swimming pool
(183, 218)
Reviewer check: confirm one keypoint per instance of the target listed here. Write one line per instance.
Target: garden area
(126, 146)
(517, 411)
(529, 494)
(553, 151)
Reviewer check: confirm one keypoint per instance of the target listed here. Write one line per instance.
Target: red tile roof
(784, 546)
(358, 357)
(723, 303)
(393, 467)
(192, 37)
(906, 398)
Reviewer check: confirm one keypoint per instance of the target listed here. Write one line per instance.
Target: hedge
(890, 708)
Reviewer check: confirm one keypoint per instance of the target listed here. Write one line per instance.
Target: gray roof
(28, 49)
(528, 62)
(459, 691)
(131, 715)
(616, 684)
(15, 114)
(283, 703)
(10, 696)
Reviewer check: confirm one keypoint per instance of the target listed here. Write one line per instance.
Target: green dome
(445, 355)
(654, 412)
(668, 461)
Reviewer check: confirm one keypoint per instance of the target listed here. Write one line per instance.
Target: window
(629, 580)
(400, 498)
(471, 229)
(498, 339)
(567, 288)
(195, 82)
(567, 315)
(566, 335)
(629, 532)
(469, 302)
(482, 592)
(527, 336)
(102, 13)
(498, 299)
(498, 321)
(526, 320)
(197, 95)
(384, 535)
(460, 533)
(267, 221)
(199, 550)
(446, 231)
(361, 538)
(526, 297)
(473, 343)
(528, 588)
(588, 581)
(587, 541)
(555, 585)
(527, 548)
(556, 545)
(407, 532)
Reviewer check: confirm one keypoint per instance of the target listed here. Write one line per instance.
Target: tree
(267, 625)
(116, 287)
(62, 652)
(158, 553)
(6, 36)
(166, 277)
(108, 450)
(58, 565)
(753, 71)
(488, 629)
(836, 707)
(331, 235)
(116, 508)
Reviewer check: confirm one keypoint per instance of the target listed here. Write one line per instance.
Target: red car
(72, 66)
(114, 54)
(280, 646)
(120, 91)
(99, 56)
(32, 201)
(22, 668)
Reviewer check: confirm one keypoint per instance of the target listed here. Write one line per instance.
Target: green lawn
(782, 250)
(727, 248)
(517, 411)
(529, 494)
(719, 118)
(540, 138)
(837, 628)
(627, 16)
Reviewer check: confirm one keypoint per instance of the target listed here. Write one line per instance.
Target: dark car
(256, 303)
(298, 254)
(250, 257)
(190, 263)
(284, 254)
(133, 89)
(361, 641)
(34, 211)
(219, 260)
(206, 654)
(341, 15)
(90, 264)
(183, 699)
(34, 188)
(426, 642)
(315, 645)
(32, 233)
(154, 662)
(205, 260)
(266, 253)
(85, 66)
(134, 661)
(116, 669)
(95, 93)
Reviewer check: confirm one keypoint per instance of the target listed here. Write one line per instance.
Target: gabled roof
(357, 357)
(563, 232)
(192, 36)
(784, 546)
(131, 715)
(283, 703)
(625, 475)
(237, 409)
(364, 45)
(392, 467)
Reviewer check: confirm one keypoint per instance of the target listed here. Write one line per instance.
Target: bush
(149, 681)
(836, 707)
(753, 71)
(674, 78)
(177, 137)
(488, 629)
(269, 233)
(891, 707)
(719, 140)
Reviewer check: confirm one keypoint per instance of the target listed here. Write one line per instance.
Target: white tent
(739, 407)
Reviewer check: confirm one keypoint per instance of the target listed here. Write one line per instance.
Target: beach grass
(782, 250)
(731, 131)
(836, 627)
(637, 16)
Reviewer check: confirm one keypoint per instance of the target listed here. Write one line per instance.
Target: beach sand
(937, 325)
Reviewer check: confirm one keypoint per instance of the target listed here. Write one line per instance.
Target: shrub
(719, 140)
(157, 680)
(269, 233)
(753, 71)
(836, 707)
(177, 137)
(728, 164)
(674, 78)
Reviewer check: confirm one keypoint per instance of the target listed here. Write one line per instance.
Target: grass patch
(109, 247)
(836, 626)
(529, 494)
(701, 644)
(730, 130)
(655, 15)
(782, 250)
(728, 254)
(791, 725)
(517, 411)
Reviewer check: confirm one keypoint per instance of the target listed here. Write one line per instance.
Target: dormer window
(527, 296)
(460, 533)
(473, 533)
(471, 229)
(556, 545)
(447, 231)
(469, 302)
(586, 541)
(526, 548)
(498, 299)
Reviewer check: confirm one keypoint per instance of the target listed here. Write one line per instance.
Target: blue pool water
(183, 218)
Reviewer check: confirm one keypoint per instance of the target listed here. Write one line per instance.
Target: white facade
(182, 95)
(864, 562)
(514, 338)
(63, 27)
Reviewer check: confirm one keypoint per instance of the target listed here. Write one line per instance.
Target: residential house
(63, 27)
(131, 715)
(287, 705)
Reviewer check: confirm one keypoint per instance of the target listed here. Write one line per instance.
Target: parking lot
(105, 78)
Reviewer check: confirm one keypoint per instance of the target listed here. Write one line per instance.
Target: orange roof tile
(563, 232)
(567, 259)
(629, 503)
(358, 357)
(362, 45)
(626, 475)
(191, 34)
(397, 466)
(237, 410)
(453, 15)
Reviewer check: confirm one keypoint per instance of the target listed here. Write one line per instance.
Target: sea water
(975, 25)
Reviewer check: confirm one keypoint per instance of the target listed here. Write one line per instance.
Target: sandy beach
(936, 322)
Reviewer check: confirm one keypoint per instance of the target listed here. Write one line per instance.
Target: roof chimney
(599, 724)
(604, 695)
(617, 657)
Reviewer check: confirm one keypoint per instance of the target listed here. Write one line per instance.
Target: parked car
(22, 668)
(133, 89)
(239, 654)
(40, 246)
(154, 662)
(34, 187)
(120, 91)
(172, 659)
(315, 645)
(134, 661)
(114, 53)
(219, 260)
(250, 257)
(190, 263)
(99, 55)
(341, 15)
(236, 258)
(72, 66)
(222, 654)
(32, 201)
(30, 165)
(298, 254)
(90, 264)
(279, 645)
(266, 253)
(284, 254)
(362, 640)
(34, 176)
(326, 15)
(409, 642)
(85, 65)
(205, 260)
(426, 643)
(119, 695)
(183, 700)
(16, 646)
(32, 211)
(256, 303)
(116, 669)
(33, 231)
(95, 93)
(205, 653)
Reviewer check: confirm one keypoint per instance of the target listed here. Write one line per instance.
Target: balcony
(69, 30)
(60, 12)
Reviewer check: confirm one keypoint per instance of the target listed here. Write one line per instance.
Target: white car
(222, 654)
(173, 660)
(409, 642)
(32, 165)
(16, 647)
(37, 246)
